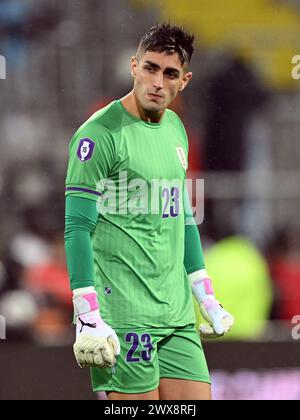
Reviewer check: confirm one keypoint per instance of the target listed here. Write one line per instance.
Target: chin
(153, 107)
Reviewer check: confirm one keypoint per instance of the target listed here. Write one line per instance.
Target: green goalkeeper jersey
(135, 173)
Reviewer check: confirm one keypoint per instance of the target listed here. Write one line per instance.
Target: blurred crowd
(255, 262)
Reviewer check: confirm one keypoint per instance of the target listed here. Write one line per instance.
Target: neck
(133, 106)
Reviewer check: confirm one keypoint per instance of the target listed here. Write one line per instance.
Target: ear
(185, 81)
(134, 64)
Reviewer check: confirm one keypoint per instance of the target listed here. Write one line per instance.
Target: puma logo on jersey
(83, 324)
(182, 157)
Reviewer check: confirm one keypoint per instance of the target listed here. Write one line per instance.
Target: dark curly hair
(169, 39)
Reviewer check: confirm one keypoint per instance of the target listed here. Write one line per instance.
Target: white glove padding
(97, 344)
(220, 321)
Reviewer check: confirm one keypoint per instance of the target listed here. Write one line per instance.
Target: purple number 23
(171, 205)
(135, 340)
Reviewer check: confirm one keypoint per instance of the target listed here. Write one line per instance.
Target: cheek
(138, 85)
(173, 91)
(141, 83)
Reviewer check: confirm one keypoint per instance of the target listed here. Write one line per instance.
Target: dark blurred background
(62, 61)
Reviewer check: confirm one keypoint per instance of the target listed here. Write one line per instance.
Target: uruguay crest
(182, 157)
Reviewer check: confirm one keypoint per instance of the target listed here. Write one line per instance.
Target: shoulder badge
(85, 150)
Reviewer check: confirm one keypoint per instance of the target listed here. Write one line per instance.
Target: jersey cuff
(84, 192)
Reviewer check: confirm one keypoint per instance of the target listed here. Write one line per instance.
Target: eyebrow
(157, 67)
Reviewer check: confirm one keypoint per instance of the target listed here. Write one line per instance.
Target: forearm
(79, 259)
(193, 255)
(81, 219)
(195, 264)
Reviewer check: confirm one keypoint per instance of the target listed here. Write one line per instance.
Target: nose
(159, 81)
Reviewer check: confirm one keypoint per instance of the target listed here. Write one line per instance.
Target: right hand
(97, 344)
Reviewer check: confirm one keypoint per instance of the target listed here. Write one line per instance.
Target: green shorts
(148, 355)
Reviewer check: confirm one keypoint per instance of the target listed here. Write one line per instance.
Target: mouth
(154, 96)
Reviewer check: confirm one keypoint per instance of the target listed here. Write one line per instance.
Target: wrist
(85, 301)
(202, 287)
(83, 291)
(198, 275)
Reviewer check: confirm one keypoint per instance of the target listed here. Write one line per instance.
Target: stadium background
(64, 60)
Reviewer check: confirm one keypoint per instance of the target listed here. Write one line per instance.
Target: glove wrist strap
(85, 303)
(202, 286)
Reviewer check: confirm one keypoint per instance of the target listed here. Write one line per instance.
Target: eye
(172, 76)
(150, 69)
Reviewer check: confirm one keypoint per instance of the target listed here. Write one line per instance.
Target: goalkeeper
(133, 272)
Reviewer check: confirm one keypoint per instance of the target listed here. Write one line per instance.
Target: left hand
(219, 320)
